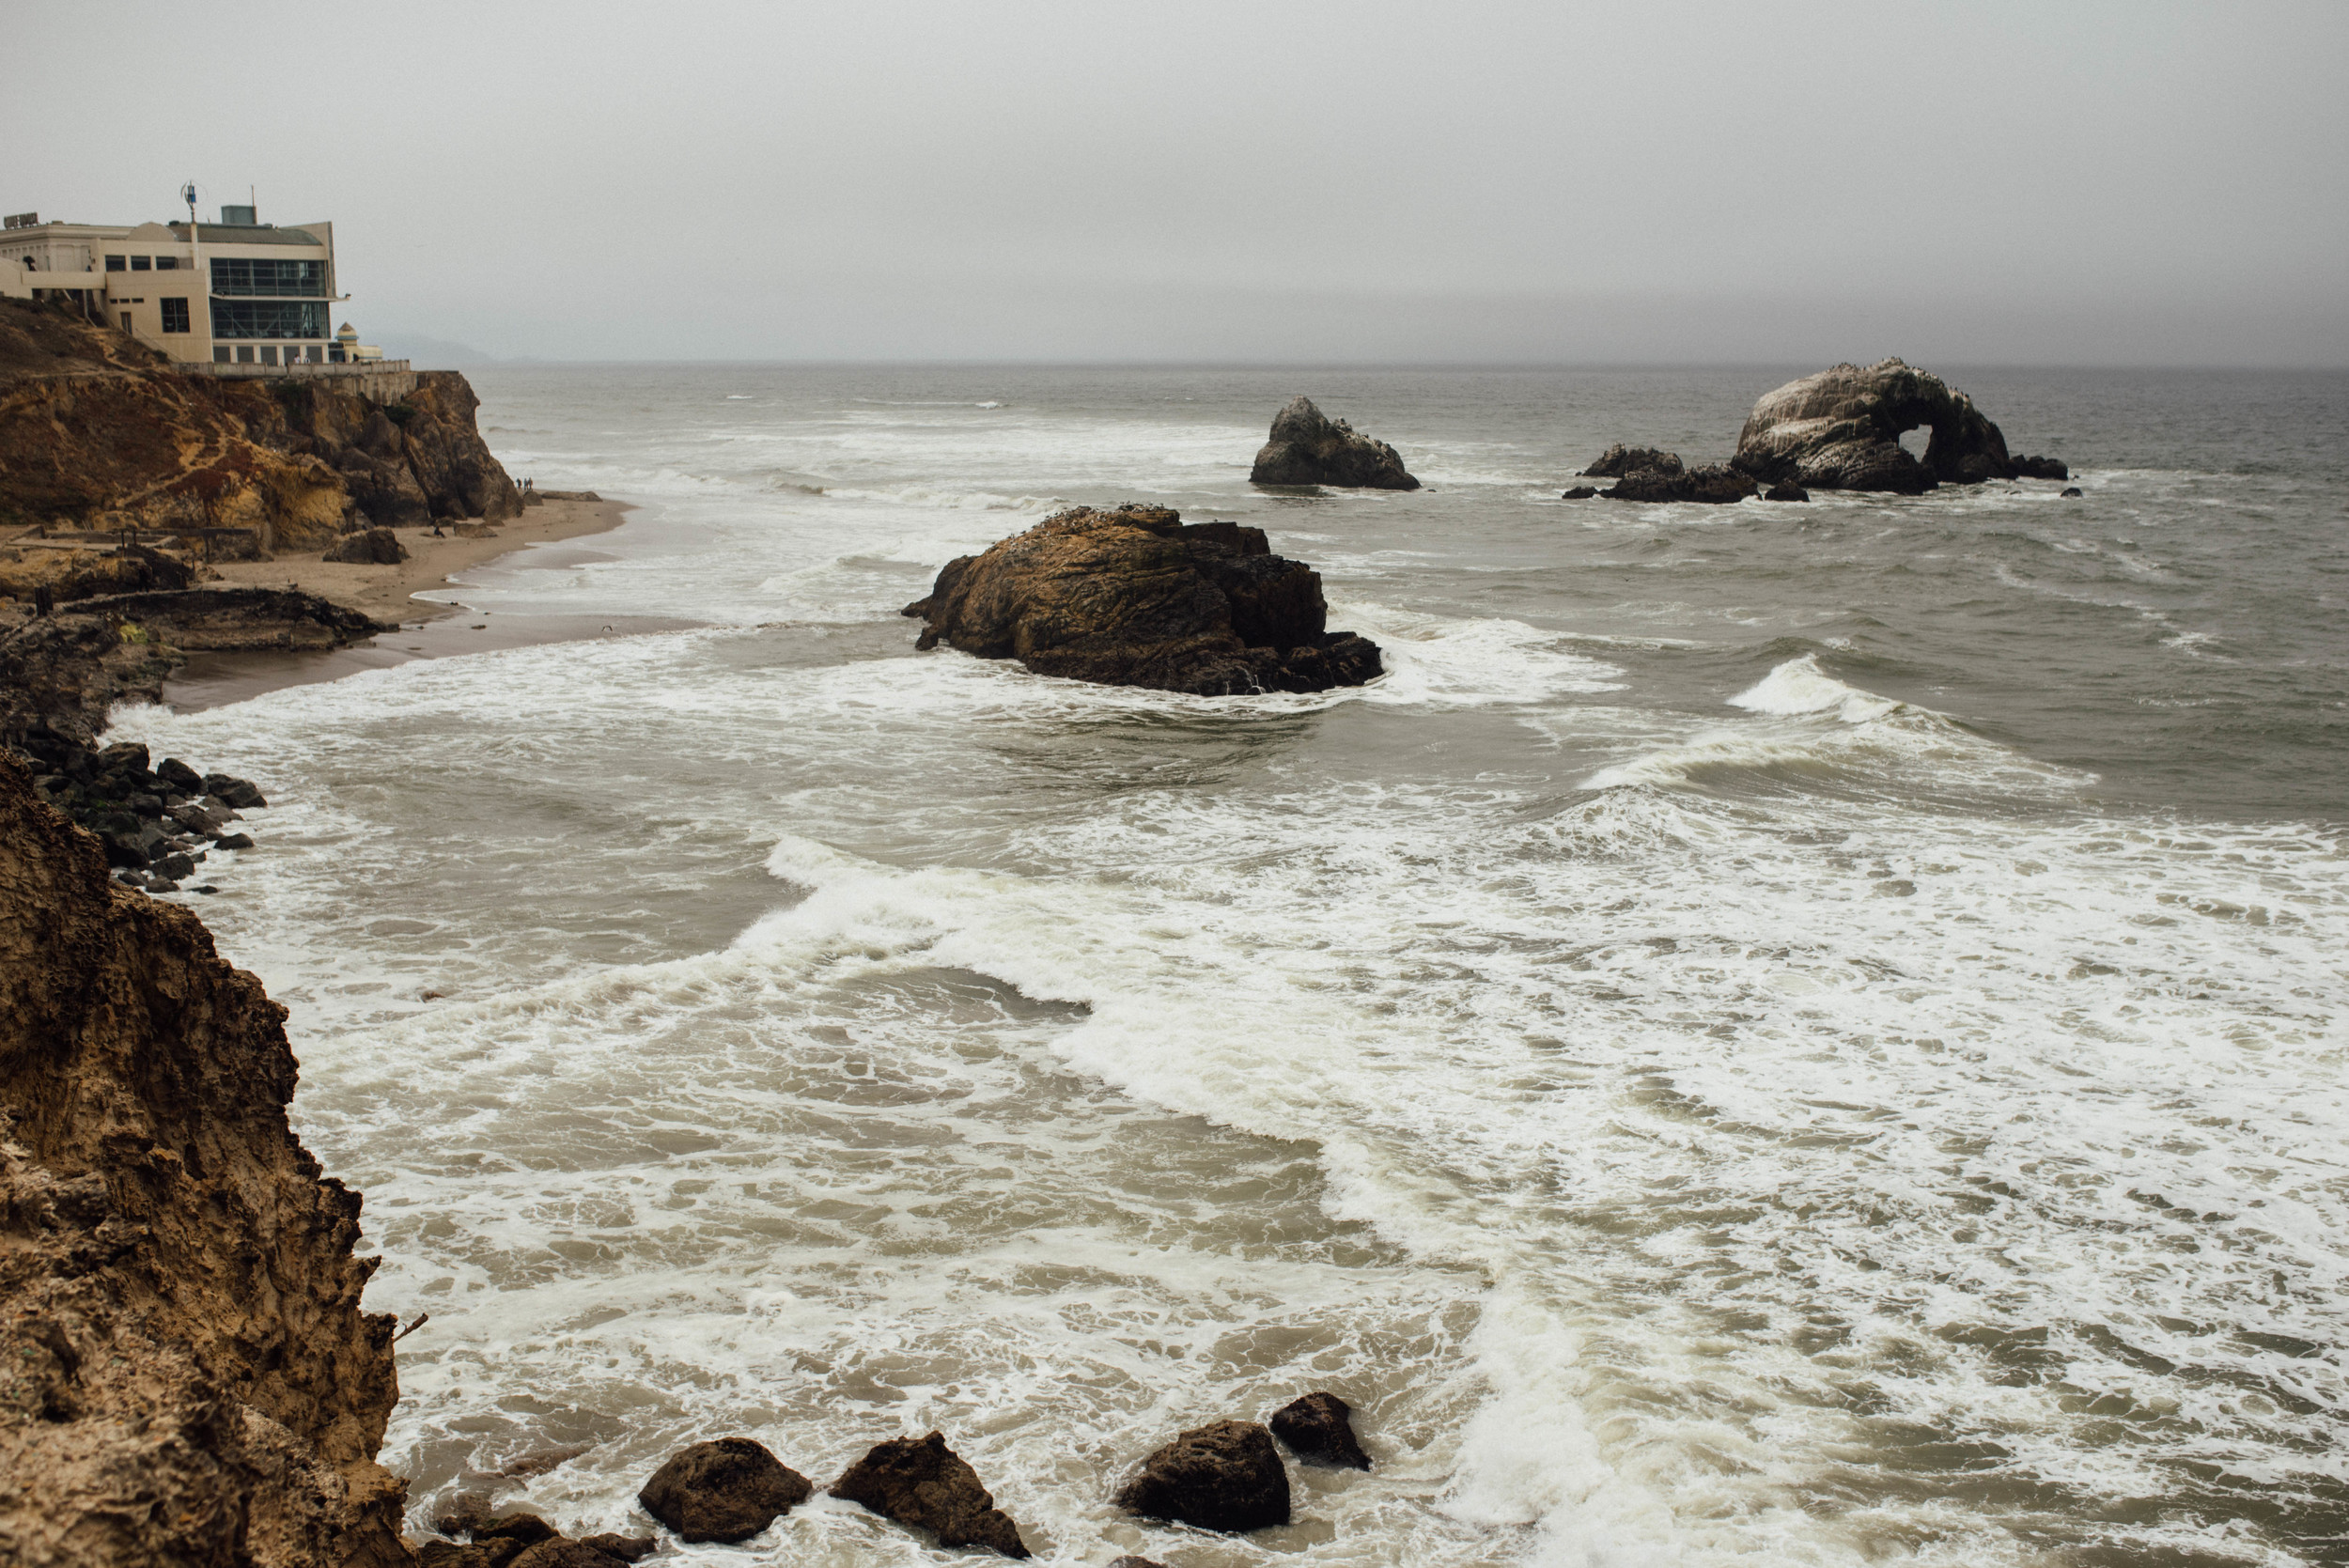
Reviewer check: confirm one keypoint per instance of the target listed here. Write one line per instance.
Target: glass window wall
(268, 319)
(242, 275)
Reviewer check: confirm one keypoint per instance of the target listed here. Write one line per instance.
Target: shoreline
(423, 629)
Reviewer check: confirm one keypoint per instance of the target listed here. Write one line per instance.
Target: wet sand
(427, 628)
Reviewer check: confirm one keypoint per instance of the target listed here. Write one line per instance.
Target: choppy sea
(1777, 1033)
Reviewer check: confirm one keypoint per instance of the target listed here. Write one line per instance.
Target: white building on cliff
(235, 292)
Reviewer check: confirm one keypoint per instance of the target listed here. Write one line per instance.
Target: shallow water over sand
(1801, 1033)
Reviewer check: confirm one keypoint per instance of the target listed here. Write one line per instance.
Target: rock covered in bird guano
(1225, 1476)
(1320, 1427)
(1619, 459)
(1841, 428)
(727, 1490)
(1713, 485)
(920, 1480)
(1135, 597)
(1308, 447)
(368, 547)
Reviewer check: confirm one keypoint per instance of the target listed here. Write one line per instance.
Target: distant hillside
(432, 353)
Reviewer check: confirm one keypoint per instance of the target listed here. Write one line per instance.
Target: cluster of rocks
(1132, 596)
(157, 825)
(1308, 447)
(1839, 430)
(1225, 1476)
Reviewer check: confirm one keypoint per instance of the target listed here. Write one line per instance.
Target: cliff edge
(186, 1375)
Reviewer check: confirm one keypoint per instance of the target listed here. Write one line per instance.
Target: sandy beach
(425, 629)
(387, 593)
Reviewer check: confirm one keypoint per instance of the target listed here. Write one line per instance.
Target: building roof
(259, 234)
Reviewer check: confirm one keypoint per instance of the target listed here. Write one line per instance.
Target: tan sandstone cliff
(186, 1375)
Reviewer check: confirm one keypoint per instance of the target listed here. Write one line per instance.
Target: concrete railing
(378, 380)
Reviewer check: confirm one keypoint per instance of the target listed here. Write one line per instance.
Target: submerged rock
(727, 1490)
(1580, 492)
(1715, 485)
(1619, 459)
(2071, 490)
(1320, 1427)
(1223, 1476)
(920, 1480)
(1307, 447)
(1133, 598)
(1841, 428)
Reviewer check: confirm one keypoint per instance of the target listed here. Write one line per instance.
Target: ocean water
(1781, 1033)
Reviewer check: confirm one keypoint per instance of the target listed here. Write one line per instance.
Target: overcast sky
(1963, 183)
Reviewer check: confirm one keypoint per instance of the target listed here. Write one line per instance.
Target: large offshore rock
(1619, 459)
(1841, 429)
(1133, 598)
(727, 1490)
(1225, 1476)
(1307, 447)
(192, 1381)
(920, 1480)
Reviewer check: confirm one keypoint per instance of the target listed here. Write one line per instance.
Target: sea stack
(1132, 596)
(1841, 429)
(1307, 447)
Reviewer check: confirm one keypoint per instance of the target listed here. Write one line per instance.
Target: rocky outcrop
(1320, 1427)
(727, 1490)
(370, 546)
(186, 1375)
(519, 1539)
(1134, 598)
(155, 827)
(1713, 485)
(1223, 1476)
(1841, 429)
(1307, 447)
(97, 432)
(1786, 489)
(64, 670)
(920, 1480)
(1619, 459)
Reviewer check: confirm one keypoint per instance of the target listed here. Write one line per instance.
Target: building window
(220, 353)
(244, 353)
(240, 275)
(114, 263)
(269, 319)
(167, 264)
(269, 354)
(175, 316)
(142, 264)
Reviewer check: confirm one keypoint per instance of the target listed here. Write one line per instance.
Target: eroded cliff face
(96, 431)
(186, 1374)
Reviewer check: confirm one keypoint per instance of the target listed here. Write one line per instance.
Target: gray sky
(2051, 182)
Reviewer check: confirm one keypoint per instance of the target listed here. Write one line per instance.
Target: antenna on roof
(187, 194)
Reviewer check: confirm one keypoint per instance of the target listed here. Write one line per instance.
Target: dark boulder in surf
(1320, 1427)
(1134, 598)
(1841, 428)
(1223, 1476)
(1307, 447)
(2040, 468)
(727, 1490)
(1580, 492)
(1785, 491)
(1619, 459)
(920, 1480)
(1713, 485)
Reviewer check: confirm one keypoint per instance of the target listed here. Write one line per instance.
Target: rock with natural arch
(1841, 429)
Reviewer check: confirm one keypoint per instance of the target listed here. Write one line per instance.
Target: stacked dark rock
(1225, 1476)
(727, 1490)
(521, 1540)
(1133, 598)
(921, 1482)
(1307, 447)
(1619, 459)
(156, 824)
(1319, 1428)
(1646, 473)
